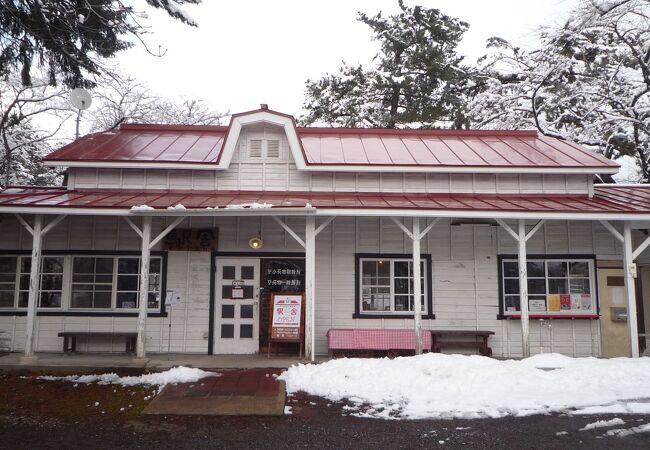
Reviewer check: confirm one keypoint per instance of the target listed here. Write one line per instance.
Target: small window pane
(579, 269)
(228, 273)
(127, 283)
(25, 264)
(83, 265)
(246, 311)
(512, 303)
(102, 299)
(226, 291)
(557, 269)
(580, 286)
(52, 265)
(511, 286)
(104, 265)
(245, 331)
(154, 265)
(127, 300)
(81, 300)
(51, 282)
(50, 300)
(369, 269)
(535, 269)
(557, 286)
(402, 303)
(227, 331)
(8, 264)
(153, 300)
(247, 272)
(510, 269)
(24, 282)
(402, 268)
(23, 299)
(228, 311)
(248, 292)
(537, 286)
(383, 268)
(6, 299)
(402, 286)
(128, 265)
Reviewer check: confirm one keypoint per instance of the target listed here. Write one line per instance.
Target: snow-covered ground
(456, 386)
(172, 376)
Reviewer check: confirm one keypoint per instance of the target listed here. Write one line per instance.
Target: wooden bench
(70, 339)
(475, 339)
(367, 342)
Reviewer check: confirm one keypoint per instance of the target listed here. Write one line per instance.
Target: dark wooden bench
(70, 339)
(475, 339)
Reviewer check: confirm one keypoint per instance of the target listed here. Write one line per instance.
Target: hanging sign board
(192, 239)
(286, 323)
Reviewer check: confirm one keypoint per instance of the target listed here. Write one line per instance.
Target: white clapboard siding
(463, 271)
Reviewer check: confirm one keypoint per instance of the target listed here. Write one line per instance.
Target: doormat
(253, 392)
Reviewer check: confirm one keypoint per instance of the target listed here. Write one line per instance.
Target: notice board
(287, 320)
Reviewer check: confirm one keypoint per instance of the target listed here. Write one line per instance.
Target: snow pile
(172, 376)
(622, 432)
(253, 205)
(616, 408)
(178, 207)
(603, 424)
(141, 208)
(436, 385)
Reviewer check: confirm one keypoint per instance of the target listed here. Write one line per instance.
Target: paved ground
(233, 393)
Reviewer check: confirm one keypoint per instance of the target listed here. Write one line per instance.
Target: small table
(459, 338)
(70, 339)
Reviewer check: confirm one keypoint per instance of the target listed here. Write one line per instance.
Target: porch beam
(630, 287)
(27, 226)
(134, 226)
(288, 229)
(323, 225)
(613, 230)
(535, 229)
(428, 228)
(406, 231)
(144, 287)
(310, 290)
(34, 284)
(165, 232)
(506, 227)
(640, 248)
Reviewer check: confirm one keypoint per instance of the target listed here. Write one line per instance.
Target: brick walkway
(235, 392)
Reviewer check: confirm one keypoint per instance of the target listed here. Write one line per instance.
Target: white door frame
(239, 317)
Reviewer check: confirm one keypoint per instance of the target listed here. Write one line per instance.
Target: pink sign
(285, 324)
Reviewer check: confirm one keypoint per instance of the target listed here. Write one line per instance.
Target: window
(555, 286)
(386, 286)
(80, 282)
(14, 281)
(101, 282)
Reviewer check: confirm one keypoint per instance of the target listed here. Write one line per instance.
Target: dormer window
(264, 148)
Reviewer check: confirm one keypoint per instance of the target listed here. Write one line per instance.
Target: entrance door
(237, 285)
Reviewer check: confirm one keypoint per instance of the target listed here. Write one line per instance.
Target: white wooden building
(336, 213)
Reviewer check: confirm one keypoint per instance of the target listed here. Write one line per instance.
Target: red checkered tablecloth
(375, 339)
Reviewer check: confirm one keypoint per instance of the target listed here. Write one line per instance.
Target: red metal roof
(606, 199)
(340, 147)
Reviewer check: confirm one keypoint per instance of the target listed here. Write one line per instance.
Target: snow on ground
(436, 385)
(172, 376)
(603, 424)
(622, 432)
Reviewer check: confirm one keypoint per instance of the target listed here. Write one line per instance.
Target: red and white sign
(285, 324)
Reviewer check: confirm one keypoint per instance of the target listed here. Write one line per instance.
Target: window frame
(66, 308)
(428, 297)
(590, 259)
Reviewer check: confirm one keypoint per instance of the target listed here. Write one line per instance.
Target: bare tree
(123, 99)
(30, 117)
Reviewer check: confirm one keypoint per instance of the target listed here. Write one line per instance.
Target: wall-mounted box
(618, 314)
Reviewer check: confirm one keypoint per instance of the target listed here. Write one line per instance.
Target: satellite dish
(80, 98)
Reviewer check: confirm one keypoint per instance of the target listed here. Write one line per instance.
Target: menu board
(286, 323)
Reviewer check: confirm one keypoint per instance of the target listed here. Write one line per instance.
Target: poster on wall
(565, 302)
(536, 305)
(286, 322)
(554, 302)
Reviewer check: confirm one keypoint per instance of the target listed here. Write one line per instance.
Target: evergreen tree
(70, 37)
(588, 81)
(417, 79)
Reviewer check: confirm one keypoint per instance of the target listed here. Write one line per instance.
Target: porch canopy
(627, 206)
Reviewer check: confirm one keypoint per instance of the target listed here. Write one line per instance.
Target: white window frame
(571, 312)
(393, 311)
(18, 290)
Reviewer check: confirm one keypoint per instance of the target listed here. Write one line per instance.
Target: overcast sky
(248, 52)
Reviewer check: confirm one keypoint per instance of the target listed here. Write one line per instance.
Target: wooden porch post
(34, 284)
(523, 288)
(417, 287)
(310, 291)
(144, 287)
(630, 288)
